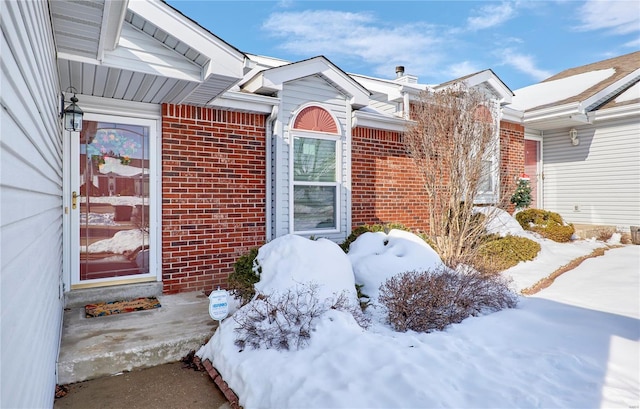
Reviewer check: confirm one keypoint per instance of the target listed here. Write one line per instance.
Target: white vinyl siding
(597, 181)
(309, 90)
(31, 213)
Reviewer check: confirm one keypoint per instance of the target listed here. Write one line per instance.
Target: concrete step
(101, 346)
(80, 298)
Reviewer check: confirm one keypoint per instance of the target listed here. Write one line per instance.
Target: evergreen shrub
(546, 223)
(244, 276)
(500, 253)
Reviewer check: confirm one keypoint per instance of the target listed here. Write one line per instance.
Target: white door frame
(100, 109)
(539, 170)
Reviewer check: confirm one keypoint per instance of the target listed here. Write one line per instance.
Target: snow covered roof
(577, 94)
(581, 83)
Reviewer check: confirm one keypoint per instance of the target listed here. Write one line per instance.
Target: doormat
(121, 307)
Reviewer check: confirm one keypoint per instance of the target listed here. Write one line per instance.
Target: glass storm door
(532, 168)
(111, 194)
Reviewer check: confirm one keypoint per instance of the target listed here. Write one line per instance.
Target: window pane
(314, 207)
(114, 200)
(486, 179)
(314, 160)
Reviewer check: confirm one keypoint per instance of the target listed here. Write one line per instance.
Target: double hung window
(315, 178)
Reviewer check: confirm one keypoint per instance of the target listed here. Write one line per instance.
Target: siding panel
(296, 93)
(597, 181)
(31, 213)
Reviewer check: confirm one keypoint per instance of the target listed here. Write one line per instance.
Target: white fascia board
(487, 76)
(272, 80)
(512, 115)
(228, 61)
(376, 121)
(607, 92)
(623, 111)
(112, 21)
(243, 101)
(139, 53)
(553, 112)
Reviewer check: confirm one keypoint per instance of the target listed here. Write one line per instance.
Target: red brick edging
(222, 384)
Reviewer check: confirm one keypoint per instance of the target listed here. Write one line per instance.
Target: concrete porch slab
(101, 346)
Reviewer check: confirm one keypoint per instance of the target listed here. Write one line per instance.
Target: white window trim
(492, 196)
(337, 138)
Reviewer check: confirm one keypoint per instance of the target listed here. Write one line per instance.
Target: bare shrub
(286, 320)
(625, 238)
(454, 143)
(424, 301)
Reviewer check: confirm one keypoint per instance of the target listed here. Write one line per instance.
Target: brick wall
(511, 158)
(386, 187)
(213, 193)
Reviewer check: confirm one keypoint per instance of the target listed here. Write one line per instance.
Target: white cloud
(359, 36)
(463, 68)
(633, 43)
(619, 17)
(524, 63)
(491, 16)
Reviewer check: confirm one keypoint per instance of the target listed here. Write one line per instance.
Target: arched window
(315, 158)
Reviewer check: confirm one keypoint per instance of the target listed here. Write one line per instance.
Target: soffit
(145, 63)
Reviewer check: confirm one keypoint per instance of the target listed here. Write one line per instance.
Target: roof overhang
(270, 81)
(487, 78)
(245, 102)
(394, 91)
(586, 111)
(141, 51)
(368, 118)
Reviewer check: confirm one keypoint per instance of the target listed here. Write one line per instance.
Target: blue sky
(524, 42)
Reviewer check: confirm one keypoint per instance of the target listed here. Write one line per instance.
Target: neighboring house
(191, 152)
(582, 131)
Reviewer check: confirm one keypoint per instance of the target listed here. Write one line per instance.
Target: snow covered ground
(575, 344)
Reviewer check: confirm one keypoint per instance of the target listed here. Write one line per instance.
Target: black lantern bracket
(72, 114)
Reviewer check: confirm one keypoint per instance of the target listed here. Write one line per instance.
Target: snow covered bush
(379, 256)
(546, 223)
(286, 320)
(299, 280)
(374, 228)
(500, 253)
(424, 301)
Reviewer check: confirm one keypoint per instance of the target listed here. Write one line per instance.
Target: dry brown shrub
(424, 301)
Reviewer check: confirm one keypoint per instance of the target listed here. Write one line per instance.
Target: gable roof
(270, 81)
(140, 50)
(578, 94)
(489, 78)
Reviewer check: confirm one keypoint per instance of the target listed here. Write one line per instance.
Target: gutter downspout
(270, 124)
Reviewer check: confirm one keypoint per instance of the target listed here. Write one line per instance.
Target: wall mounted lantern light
(573, 134)
(73, 114)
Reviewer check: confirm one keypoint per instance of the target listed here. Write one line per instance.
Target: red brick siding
(511, 158)
(386, 187)
(213, 193)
